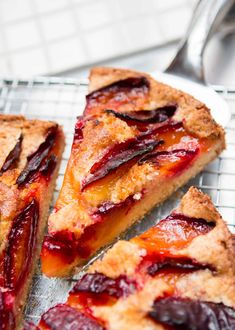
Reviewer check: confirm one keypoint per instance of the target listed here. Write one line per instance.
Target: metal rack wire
(62, 100)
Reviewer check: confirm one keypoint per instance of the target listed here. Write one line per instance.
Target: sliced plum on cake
(28, 168)
(136, 143)
(179, 274)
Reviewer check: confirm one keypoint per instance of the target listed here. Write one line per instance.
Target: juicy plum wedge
(172, 162)
(35, 161)
(98, 283)
(57, 251)
(13, 156)
(48, 166)
(118, 155)
(176, 264)
(132, 91)
(159, 157)
(145, 117)
(21, 244)
(108, 207)
(190, 314)
(174, 232)
(68, 318)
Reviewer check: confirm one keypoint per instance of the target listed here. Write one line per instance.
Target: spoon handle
(207, 16)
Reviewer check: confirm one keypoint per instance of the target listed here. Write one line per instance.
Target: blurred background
(67, 37)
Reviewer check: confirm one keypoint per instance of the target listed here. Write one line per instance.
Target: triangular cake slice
(179, 274)
(136, 143)
(31, 151)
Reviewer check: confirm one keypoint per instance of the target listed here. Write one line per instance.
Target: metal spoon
(186, 70)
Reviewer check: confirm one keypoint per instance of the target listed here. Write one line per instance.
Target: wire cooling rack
(62, 100)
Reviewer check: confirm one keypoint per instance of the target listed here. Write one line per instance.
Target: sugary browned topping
(217, 289)
(71, 212)
(132, 182)
(195, 204)
(8, 200)
(199, 122)
(112, 129)
(122, 259)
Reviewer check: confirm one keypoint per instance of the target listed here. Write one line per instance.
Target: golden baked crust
(131, 261)
(121, 122)
(29, 164)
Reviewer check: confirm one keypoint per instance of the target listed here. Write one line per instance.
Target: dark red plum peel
(200, 224)
(62, 243)
(132, 84)
(98, 283)
(35, 161)
(25, 223)
(48, 166)
(175, 264)
(156, 157)
(118, 155)
(108, 207)
(22, 236)
(64, 317)
(145, 117)
(187, 314)
(13, 156)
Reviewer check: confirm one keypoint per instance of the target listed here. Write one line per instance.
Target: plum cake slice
(136, 143)
(30, 155)
(179, 274)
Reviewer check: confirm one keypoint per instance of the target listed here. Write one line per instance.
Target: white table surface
(219, 60)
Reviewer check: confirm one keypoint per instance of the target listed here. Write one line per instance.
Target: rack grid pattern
(62, 100)
(41, 36)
